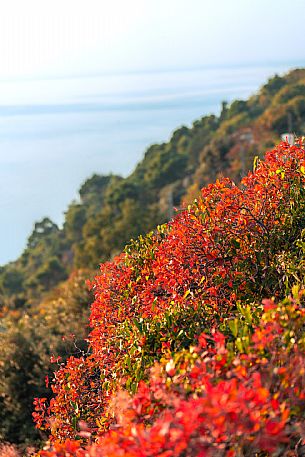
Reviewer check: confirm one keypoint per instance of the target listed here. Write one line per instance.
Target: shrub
(199, 278)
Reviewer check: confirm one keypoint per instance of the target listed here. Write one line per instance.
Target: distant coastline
(56, 133)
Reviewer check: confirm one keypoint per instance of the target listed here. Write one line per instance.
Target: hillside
(111, 210)
(187, 355)
(44, 300)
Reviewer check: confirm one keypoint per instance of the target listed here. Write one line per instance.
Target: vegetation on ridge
(183, 359)
(112, 210)
(43, 297)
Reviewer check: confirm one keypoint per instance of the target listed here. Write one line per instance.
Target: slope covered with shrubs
(111, 209)
(43, 290)
(184, 359)
(58, 325)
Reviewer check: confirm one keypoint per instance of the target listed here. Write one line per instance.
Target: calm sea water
(56, 133)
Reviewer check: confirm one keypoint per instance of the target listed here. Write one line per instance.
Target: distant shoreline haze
(56, 133)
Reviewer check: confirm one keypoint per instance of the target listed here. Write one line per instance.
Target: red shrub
(235, 245)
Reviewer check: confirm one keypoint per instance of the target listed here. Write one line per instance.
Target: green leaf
(233, 325)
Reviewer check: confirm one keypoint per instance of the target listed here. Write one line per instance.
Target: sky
(58, 38)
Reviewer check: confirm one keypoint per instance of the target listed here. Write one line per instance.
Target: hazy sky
(41, 38)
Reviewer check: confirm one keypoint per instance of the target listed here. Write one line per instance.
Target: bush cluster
(184, 359)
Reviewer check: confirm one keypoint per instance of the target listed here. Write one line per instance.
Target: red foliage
(215, 405)
(221, 251)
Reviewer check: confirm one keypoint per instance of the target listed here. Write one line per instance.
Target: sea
(55, 133)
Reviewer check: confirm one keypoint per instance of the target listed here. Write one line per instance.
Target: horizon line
(172, 69)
